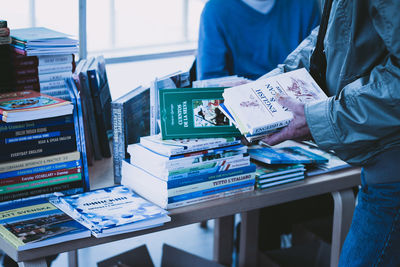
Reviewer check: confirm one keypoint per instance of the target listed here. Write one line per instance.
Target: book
(179, 79)
(163, 193)
(255, 108)
(37, 223)
(31, 105)
(285, 155)
(173, 147)
(101, 97)
(226, 81)
(112, 210)
(280, 182)
(265, 171)
(42, 41)
(167, 168)
(130, 121)
(193, 113)
(88, 106)
(42, 60)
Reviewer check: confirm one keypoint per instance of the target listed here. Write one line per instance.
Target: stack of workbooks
(254, 107)
(281, 165)
(174, 173)
(42, 59)
(41, 146)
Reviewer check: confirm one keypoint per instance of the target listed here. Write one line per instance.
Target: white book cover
(254, 105)
(111, 210)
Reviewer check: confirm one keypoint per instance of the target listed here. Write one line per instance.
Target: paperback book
(36, 223)
(31, 105)
(285, 155)
(112, 210)
(193, 113)
(254, 105)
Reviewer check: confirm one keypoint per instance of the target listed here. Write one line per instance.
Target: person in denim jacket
(360, 120)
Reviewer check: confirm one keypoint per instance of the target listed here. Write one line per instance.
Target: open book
(254, 109)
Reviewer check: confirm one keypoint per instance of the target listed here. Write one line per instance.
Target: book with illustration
(193, 113)
(254, 106)
(36, 223)
(112, 210)
(31, 105)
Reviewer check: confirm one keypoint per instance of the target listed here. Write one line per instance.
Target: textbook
(130, 121)
(254, 106)
(31, 105)
(112, 210)
(193, 113)
(285, 155)
(36, 223)
(181, 146)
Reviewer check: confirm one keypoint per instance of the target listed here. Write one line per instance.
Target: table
(339, 184)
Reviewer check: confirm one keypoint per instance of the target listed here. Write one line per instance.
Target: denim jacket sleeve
(364, 116)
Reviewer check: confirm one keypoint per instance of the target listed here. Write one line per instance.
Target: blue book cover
(37, 223)
(285, 155)
(111, 210)
(79, 131)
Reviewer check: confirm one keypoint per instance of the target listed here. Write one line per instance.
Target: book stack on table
(180, 172)
(41, 146)
(41, 59)
(281, 165)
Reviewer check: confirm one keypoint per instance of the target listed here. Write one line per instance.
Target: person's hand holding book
(297, 129)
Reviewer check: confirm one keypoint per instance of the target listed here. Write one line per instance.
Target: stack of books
(4, 33)
(227, 81)
(254, 107)
(42, 59)
(281, 165)
(41, 144)
(174, 173)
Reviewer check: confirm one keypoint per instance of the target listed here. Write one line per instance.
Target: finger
(278, 137)
(287, 102)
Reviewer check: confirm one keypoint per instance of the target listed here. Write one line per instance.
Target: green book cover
(193, 113)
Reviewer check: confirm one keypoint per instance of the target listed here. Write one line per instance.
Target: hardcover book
(112, 210)
(285, 155)
(255, 108)
(37, 223)
(130, 121)
(193, 113)
(31, 105)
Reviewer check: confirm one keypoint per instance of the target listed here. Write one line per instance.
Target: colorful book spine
(48, 132)
(119, 145)
(39, 161)
(40, 169)
(38, 176)
(20, 60)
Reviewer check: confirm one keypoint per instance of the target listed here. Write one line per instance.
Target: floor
(192, 238)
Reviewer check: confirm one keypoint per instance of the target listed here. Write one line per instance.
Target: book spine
(54, 76)
(268, 128)
(25, 139)
(153, 107)
(79, 131)
(52, 85)
(38, 176)
(207, 169)
(86, 98)
(10, 237)
(118, 127)
(39, 161)
(40, 191)
(65, 67)
(39, 148)
(211, 191)
(210, 184)
(45, 168)
(99, 114)
(55, 59)
(209, 197)
(30, 127)
(206, 177)
(13, 188)
(35, 133)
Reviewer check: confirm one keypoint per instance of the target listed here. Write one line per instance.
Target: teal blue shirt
(236, 39)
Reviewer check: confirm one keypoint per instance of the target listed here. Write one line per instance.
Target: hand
(297, 129)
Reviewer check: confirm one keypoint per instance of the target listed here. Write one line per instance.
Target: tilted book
(193, 113)
(112, 210)
(36, 223)
(254, 105)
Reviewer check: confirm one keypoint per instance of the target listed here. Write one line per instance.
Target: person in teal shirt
(250, 37)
